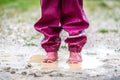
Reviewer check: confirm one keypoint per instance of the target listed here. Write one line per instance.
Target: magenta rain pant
(71, 16)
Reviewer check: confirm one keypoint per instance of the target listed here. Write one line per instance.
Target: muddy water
(89, 62)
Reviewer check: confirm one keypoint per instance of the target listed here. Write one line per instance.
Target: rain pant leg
(49, 25)
(74, 21)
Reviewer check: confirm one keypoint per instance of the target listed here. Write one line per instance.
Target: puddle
(19, 60)
(89, 62)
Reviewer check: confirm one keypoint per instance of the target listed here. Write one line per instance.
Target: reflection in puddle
(37, 58)
(89, 62)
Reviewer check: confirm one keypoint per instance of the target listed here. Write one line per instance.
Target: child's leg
(48, 25)
(75, 46)
(51, 44)
(74, 21)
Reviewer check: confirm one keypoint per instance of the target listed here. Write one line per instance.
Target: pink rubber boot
(50, 57)
(74, 58)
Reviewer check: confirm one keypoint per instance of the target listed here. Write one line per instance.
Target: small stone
(24, 73)
(31, 74)
(79, 72)
(7, 64)
(0, 70)
(7, 69)
(12, 72)
(108, 54)
(48, 72)
(56, 74)
(38, 74)
(98, 75)
(115, 70)
(106, 60)
(28, 66)
(16, 69)
(107, 66)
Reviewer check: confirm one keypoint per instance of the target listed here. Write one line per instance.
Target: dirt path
(20, 54)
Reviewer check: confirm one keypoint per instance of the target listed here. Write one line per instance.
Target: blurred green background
(27, 4)
(12, 7)
(18, 4)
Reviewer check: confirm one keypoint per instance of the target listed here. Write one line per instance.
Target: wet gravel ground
(19, 41)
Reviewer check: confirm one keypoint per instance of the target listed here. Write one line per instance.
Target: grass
(2, 2)
(22, 5)
(12, 7)
(93, 5)
(64, 47)
(114, 30)
(116, 18)
(29, 44)
(103, 31)
(106, 30)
